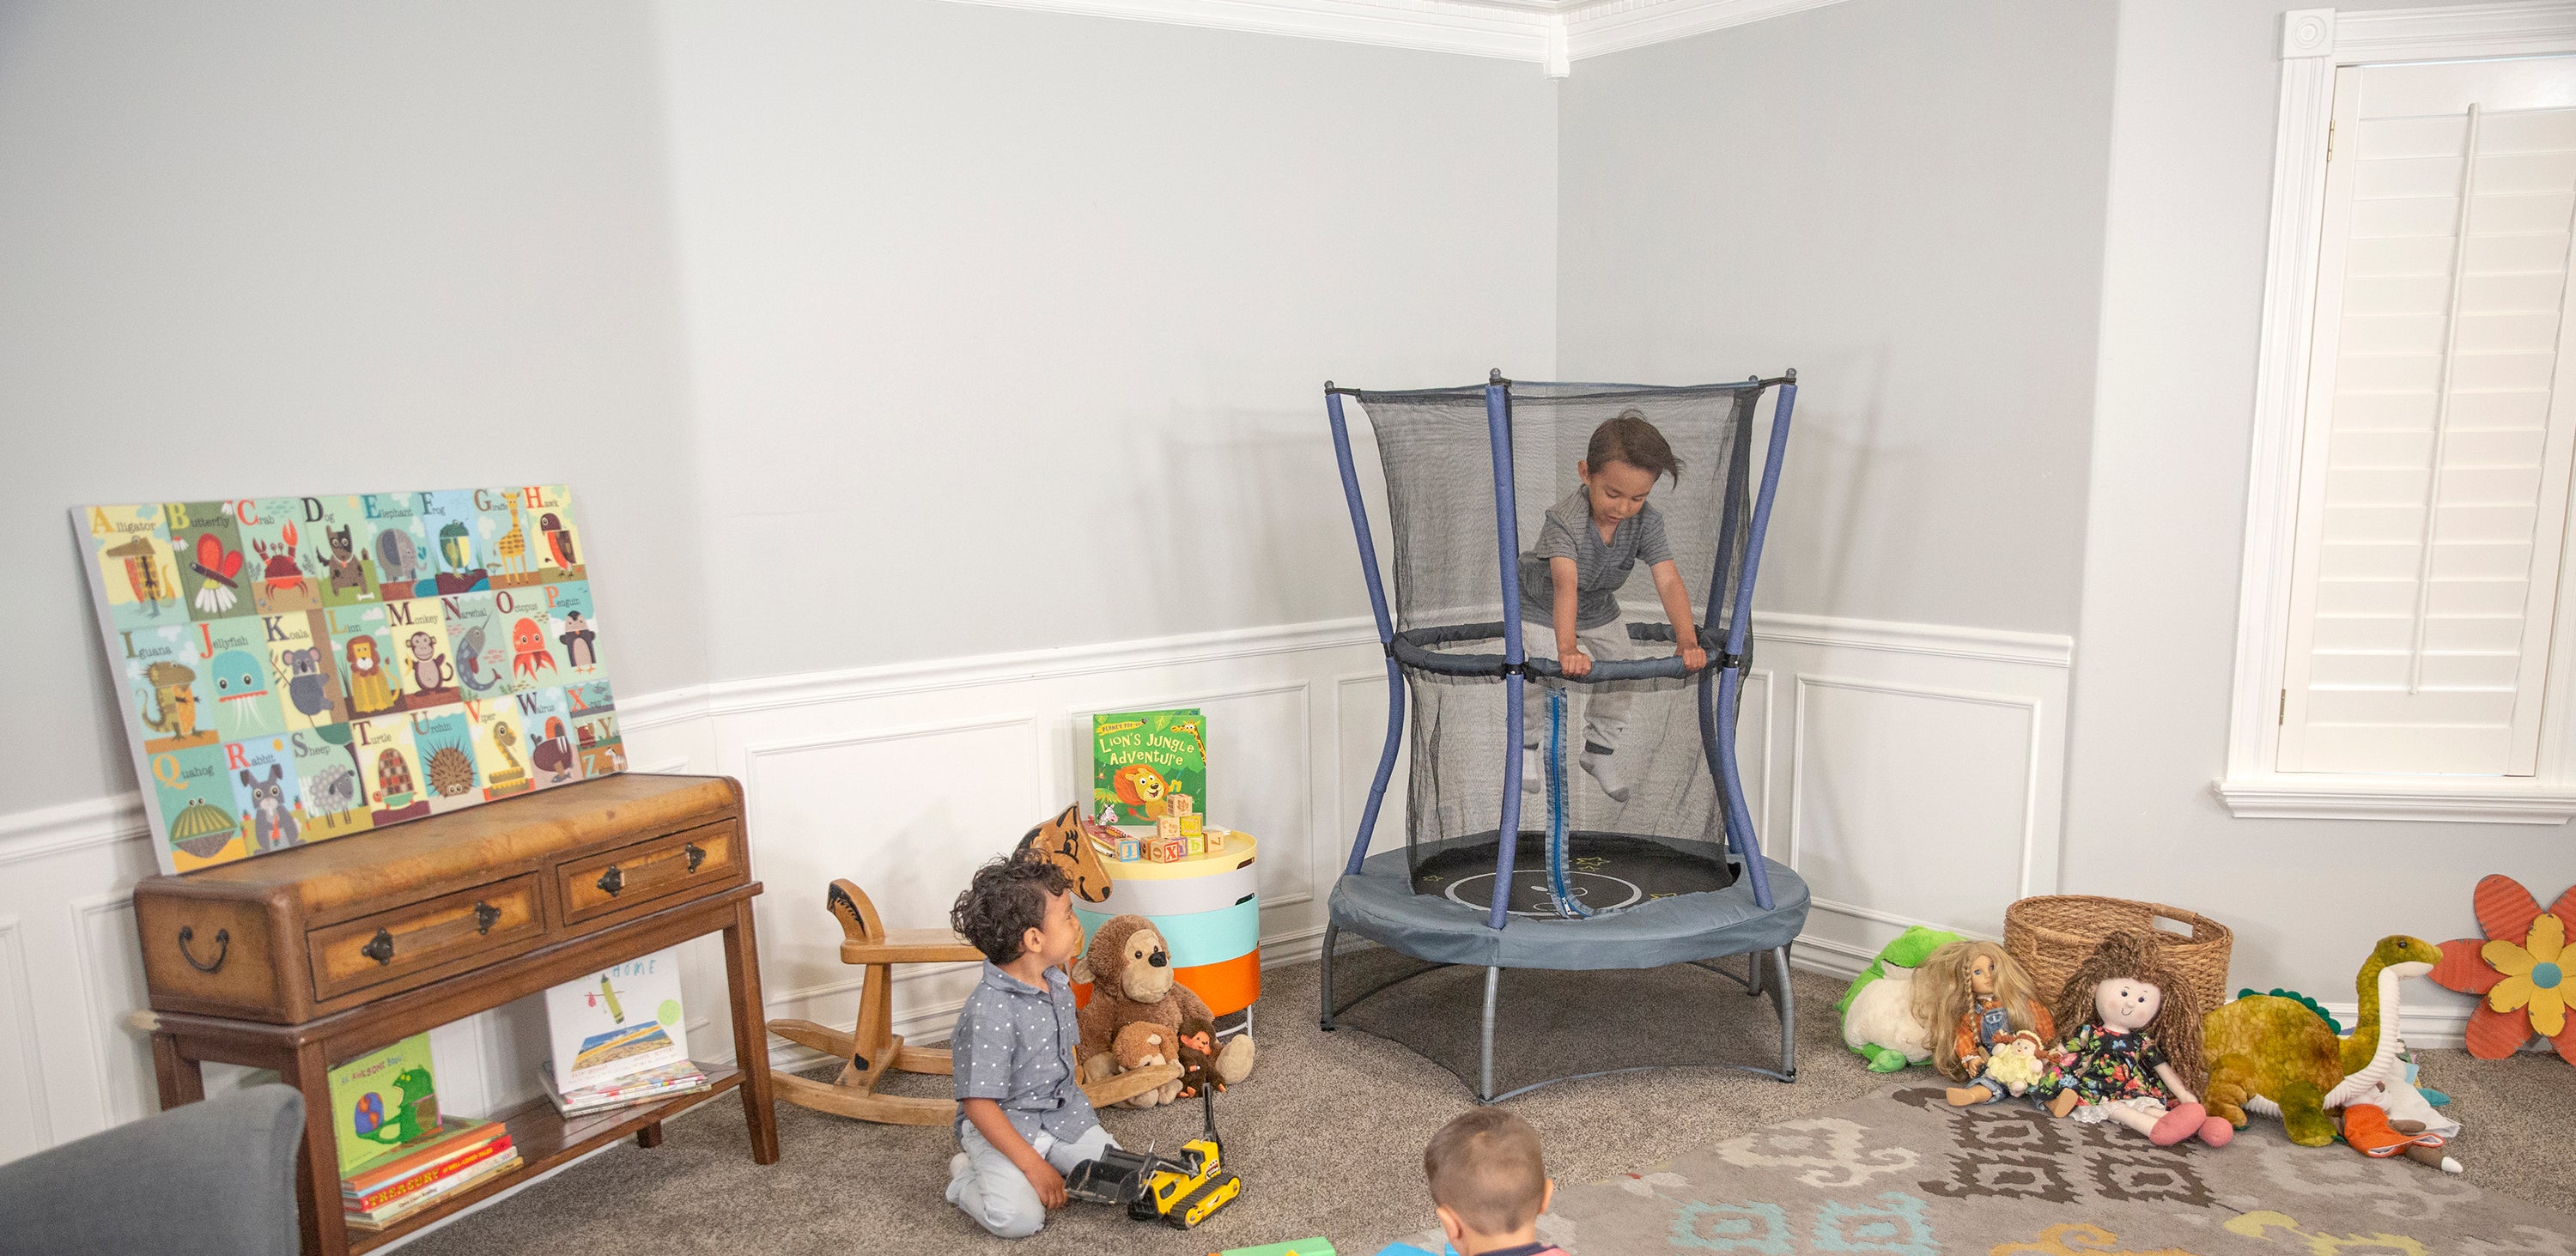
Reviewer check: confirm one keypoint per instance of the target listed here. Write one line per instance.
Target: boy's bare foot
(1968, 1096)
(2062, 1104)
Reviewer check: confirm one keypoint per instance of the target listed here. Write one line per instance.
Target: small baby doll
(1971, 996)
(2136, 1044)
(2016, 1063)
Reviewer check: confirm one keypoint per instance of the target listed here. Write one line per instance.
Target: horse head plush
(1068, 842)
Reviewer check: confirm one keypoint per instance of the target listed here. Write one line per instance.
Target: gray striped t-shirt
(1599, 568)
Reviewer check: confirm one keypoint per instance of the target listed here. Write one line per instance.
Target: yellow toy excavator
(1183, 1189)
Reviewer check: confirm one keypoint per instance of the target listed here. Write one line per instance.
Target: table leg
(317, 1186)
(751, 1034)
(183, 1080)
(649, 1136)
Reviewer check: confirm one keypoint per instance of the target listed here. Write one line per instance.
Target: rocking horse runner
(871, 1047)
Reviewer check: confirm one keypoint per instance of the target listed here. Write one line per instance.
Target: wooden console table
(306, 959)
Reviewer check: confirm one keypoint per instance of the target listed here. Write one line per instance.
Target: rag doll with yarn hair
(2135, 1052)
(1974, 998)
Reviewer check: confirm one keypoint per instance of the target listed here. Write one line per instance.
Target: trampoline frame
(1719, 686)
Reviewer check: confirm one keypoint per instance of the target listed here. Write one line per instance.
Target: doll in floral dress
(2136, 1046)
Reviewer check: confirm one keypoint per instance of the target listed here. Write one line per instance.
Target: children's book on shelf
(460, 1153)
(662, 1083)
(616, 1023)
(1140, 759)
(383, 1101)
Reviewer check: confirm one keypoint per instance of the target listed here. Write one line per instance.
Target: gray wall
(1009, 328)
(262, 248)
(2199, 89)
(1904, 201)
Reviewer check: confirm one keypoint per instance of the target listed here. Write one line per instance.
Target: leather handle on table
(380, 948)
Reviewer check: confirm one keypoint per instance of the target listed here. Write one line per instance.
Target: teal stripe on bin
(1205, 937)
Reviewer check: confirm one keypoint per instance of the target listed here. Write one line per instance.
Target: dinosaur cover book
(1139, 759)
(294, 669)
(382, 1102)
(617, 1023)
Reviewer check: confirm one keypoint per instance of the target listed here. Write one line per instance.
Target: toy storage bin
(2050, 936)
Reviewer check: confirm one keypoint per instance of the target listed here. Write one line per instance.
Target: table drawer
(418, 937)
(692, 860)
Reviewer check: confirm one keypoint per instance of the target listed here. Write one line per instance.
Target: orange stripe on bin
(1227, 986)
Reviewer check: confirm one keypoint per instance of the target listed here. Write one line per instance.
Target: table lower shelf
(545, 1139)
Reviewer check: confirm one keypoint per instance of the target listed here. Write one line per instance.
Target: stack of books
(394, 1186)
(679, 1078)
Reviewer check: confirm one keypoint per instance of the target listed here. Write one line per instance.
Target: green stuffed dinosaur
(1878, 1011)
(415, 1116)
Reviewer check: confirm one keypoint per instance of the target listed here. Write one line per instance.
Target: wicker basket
(2051, 936)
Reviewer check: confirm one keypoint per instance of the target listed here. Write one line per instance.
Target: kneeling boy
(1023, 1121)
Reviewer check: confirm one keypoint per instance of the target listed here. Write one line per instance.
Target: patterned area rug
(1904, 1174)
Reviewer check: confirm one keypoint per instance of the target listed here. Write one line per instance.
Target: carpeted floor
(1328, 1131)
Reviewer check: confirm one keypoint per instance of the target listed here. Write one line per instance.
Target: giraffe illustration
(513, 545)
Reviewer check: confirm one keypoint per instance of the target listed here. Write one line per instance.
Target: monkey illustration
(429, 672)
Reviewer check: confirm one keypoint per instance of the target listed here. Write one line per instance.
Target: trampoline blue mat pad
(1380, 904)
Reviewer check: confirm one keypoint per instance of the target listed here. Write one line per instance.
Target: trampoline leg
(1485, 1090)
(1753, 974)
(1331, 932)
(1782, 999)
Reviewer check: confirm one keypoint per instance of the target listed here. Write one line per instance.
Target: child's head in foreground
(1621, 464)
(1017, 906)
(1488, 1181)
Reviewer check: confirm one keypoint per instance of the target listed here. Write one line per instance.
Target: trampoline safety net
(1668, 836)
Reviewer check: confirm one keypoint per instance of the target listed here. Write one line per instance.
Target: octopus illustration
(528, 650)
(371, 688)
(241, 689)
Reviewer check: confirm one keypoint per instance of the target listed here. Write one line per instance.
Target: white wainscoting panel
(1918, 767)
(25, 1121)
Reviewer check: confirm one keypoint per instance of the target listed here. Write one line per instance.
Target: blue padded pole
(1385, 632)
(1559, 880)
(1507, 540)
(1740, 816)
(1709, 680)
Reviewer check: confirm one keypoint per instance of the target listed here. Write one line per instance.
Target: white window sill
(2458, 800)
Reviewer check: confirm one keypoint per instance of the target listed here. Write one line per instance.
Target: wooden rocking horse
(872, 1048)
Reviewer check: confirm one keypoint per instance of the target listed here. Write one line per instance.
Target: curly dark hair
(1007, 898)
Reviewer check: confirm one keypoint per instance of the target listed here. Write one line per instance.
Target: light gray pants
(1603, 708)
(997, 1195)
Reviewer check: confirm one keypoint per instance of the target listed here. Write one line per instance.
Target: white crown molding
(1619, 25)
(2475, 30)
(1553, 33)
(2452, 800)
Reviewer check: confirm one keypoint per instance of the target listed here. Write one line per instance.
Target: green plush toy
(1878, 1011)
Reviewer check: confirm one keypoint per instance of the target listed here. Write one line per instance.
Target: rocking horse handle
(223, 947)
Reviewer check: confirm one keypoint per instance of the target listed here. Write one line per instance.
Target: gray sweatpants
(997, 1195)
(1603, 709)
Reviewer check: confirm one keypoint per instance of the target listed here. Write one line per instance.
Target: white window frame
(2314, 43)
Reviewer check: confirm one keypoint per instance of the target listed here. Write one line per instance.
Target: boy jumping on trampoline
(1570, 581)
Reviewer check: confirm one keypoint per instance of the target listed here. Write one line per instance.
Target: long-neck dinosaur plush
(2369, 1056)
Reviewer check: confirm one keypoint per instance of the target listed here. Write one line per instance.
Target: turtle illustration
(2271, 1053)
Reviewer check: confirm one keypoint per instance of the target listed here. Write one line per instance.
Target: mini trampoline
(1672, 874)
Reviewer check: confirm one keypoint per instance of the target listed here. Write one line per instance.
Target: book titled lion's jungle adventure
(1139, 759)
(383, 1101)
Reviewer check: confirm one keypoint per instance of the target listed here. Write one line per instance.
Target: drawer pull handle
(223, 947)
(485, 916)
(379, 948)
(612, 881)
(696, 856)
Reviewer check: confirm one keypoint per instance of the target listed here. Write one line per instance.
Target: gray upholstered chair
(215, 1178)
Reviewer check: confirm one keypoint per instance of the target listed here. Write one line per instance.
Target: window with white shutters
(2434, 457)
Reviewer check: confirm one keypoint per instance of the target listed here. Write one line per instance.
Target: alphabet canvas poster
(295, 669)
